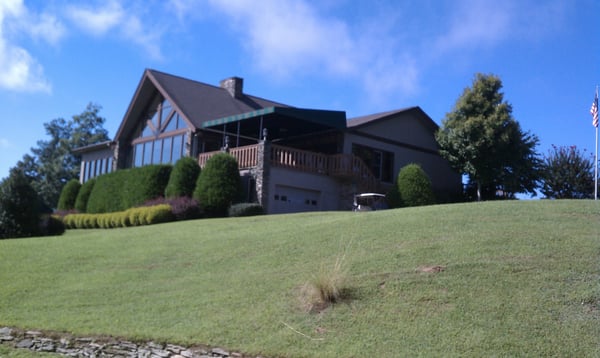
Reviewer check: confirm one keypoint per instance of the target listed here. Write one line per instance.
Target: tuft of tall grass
(328, 284)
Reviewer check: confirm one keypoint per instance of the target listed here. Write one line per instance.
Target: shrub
(158, 214)
(51, 225)
(123, 189)
(414, 186)
(19, 207)
(83, 196)
(183, 208)
(219, 185)
(392, 197)
(68, 195)
(132, 217)
(246, 209)
(182, 181)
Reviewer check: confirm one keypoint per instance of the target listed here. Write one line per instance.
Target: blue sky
(362, 57)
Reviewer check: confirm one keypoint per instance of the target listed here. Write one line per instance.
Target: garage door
(287, 199)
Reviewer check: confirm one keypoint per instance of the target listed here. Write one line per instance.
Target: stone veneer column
(261, 173)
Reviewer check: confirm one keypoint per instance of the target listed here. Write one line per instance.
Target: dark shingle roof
(364, 120)
(201, 102)
(197, 102)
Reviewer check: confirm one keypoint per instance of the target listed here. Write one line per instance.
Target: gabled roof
(357, 122)
(195, 101)
(200, 102)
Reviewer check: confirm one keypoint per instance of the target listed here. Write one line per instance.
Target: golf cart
(369, 202)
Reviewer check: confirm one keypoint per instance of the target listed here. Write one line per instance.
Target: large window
(380, 162)
(162, 136)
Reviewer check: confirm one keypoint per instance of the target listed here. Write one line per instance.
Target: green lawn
(520, 278)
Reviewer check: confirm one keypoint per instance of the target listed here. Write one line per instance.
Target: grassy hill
(509, 278)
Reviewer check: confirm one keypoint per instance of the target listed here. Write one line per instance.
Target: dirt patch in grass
(431, 269)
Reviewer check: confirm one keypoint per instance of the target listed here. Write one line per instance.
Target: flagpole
(596, 169)
(596, 156)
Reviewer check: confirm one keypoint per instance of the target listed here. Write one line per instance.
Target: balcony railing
(247, 156)
(338, 165)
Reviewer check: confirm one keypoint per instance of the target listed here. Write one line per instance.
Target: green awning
(331, 119)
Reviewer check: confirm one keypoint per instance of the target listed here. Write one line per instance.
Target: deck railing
(298, 159)
(337, 165)
(247, 156)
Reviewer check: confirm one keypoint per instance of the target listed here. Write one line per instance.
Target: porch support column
(261, 173)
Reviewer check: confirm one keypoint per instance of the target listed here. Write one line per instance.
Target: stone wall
(108, 347)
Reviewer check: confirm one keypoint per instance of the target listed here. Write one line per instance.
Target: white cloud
(19, 71)
(112, 16)
(97, 21)
(292, 38)
(475, 24)
(4, 143)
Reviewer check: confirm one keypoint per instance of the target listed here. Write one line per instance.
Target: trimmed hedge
(123, 189)
(414, 186)
(148, 215)
(84, 195)
(182, 181)
(68, 195)
(246, 209)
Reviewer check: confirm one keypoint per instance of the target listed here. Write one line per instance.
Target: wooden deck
(346, 166)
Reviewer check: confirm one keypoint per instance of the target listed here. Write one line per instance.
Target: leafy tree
(414, 186)
(219, 185)
(568, 174)
(481, 138)
(52, 164)
(182, 181)
(19, 207)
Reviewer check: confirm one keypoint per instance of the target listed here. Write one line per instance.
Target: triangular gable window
(175, 123)
(165, 110)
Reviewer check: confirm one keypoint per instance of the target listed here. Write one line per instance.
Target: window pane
(180, 123)
(157, 152)
(147, 131)
(85, 171)
(109, 165)
(139, 155)
(166, 110)
(154, 120)
(101, 166)
(166, 150)
(147, 153)
(172, 124)
(177, 148)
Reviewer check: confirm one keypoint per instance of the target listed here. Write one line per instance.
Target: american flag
(594, 111)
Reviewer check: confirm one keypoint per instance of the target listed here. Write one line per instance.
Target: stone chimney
(233, 85)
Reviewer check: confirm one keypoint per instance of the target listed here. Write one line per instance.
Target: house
(291, 159)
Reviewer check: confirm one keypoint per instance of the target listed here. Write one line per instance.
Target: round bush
(246, 209)
(83, 195)
(414, 186)
(51, 226)
(219, 185)
(68, 195)
(182, 180)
